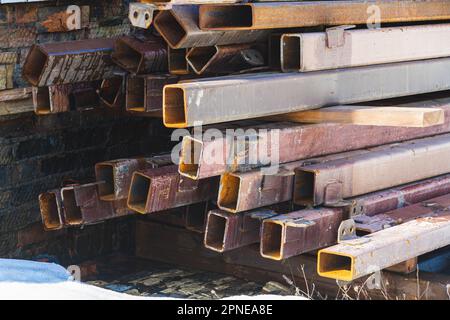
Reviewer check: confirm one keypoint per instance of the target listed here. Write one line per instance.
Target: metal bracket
(347, 231)
(336, 35)
(141, 14)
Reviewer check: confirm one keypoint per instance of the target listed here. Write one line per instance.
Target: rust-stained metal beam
(251, 16)
(117, 174)
(179, 27)
(226, 231)
(355, 258)
(140, 56)
(68, 62)
(178, 64)
(51, 209)
(226, 58)
(339, 48)
(298, 142)
(164, 188)
(112, 91)
(185, 104)
(144, 93)
(383, 167)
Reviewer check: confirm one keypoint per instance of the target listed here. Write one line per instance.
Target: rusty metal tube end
(41, 100)
(50, 211)
(271, 240)
(225, 16)
(72, 213)
(111, 91)
(174, 108)
(215, 232)
(34, 65)
(196, 215)
(105, 172)
(126, 56)
(135, 96)
(229, 191)
(177, 61)
(139, 192)
(290, 53)
(199, 58)
(304, 187)
(190, 157)
(169, 27)
(335, 266)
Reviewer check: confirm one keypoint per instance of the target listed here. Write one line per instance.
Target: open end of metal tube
(226, 16)
(42, 100)
(71, 210)
(271, 240)
(174, 114)
(304, 187)
(229, 192)
(169, 28)
(215, 232)
(135, 97)
(105, 173)
(126, 56)
(110, 90)
(290, 58)
(335, 266)
(34, 65)
(49, 211)
(139, 189)
(199, 58)
(190, 157)
(177, 61)
(84, 98)
(196, 216)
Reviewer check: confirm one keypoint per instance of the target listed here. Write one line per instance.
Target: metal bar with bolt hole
(226, 231)
(52, 210)
(144, 93)
(68, 62)
(226, 58)
(201, 157)
(233, 97)
(65, 97)
(140, 56)
(141, 14)
(179, 27)
(178, 64)
(338, 48)
(117, 174)
(355, 258)
(111, 92)
(253, 16)
(383, 167)
(369, 116)
(158, 189)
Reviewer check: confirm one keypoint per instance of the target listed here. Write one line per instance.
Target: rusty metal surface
(300, 142)
(111, 92)
(179, 27)
(227, 58)
(144, 93)
(51, 208)
(355, 258)
(226, 231)
(140, 56)
(178, 64)
(196, 215)
(298, 232)
(164, 188)
(116, 175)
(383, 167)
(68, 62)
(251, 16)
(233, 97)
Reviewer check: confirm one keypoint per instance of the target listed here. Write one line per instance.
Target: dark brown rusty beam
(164, 188)
(116, 174)
(144, 93)
(383, 167)
(51, 208)
(112, 91)
(298, 142)
(179, 27)
(196, 215)
(253, 16)
(68, 62)
(140, 56)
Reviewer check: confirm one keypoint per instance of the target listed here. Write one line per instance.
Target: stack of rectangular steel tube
(348, 152)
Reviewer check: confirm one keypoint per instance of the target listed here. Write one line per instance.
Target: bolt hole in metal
(147, 16)
(135, 14)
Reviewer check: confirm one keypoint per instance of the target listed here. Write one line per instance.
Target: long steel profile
(352, 259)
(251, 16)
(164, 188)
(116, 174)
(233, 98)
(179, 27)
(144, 93)
(351, 48)
(383, 167)
(140, 57)
(68, 62)
(298, 142)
